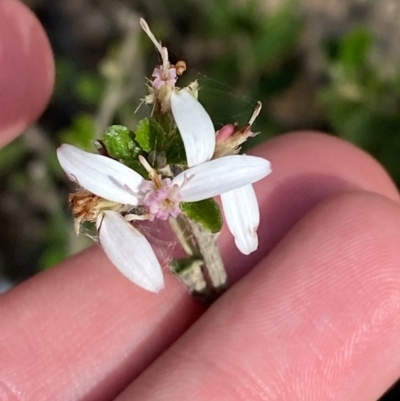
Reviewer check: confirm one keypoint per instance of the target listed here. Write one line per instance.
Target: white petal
(242, 215)
(100, 175)
(195, 126)
(130, 252)
(220, 175)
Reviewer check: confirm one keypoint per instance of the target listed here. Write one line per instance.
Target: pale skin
(313, 314)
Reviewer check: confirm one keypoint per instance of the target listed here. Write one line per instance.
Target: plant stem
(204, 257)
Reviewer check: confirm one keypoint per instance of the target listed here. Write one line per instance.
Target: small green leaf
(121, 145)
(176, 151)
(150, 135)
(206, 212)
(138, 167)
(190, 272)
(182, 266)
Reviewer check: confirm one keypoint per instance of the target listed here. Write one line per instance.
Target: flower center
(164, 76)
(161, 198)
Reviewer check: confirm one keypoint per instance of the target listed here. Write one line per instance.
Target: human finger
(26, 69)
(114, 329)
(317, 319)
(307, 168)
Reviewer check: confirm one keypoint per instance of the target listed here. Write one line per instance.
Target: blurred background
(331, 65)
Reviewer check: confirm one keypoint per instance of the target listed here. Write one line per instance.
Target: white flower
(111, 180)
(129, 251)
(239, 204)
(242, 216)
(195, 126)
(126, 248)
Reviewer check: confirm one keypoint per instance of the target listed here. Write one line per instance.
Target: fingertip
(318, 316)
(318, 152)
(308, 167)
(26, 69)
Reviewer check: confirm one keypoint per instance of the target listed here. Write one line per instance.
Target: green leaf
(190, 272)
(175, 152)
(121, 145)
(150, 135)
(206, 212)
(182, 266)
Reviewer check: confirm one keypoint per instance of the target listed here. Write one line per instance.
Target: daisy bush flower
(169, 167)
(240, 204)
